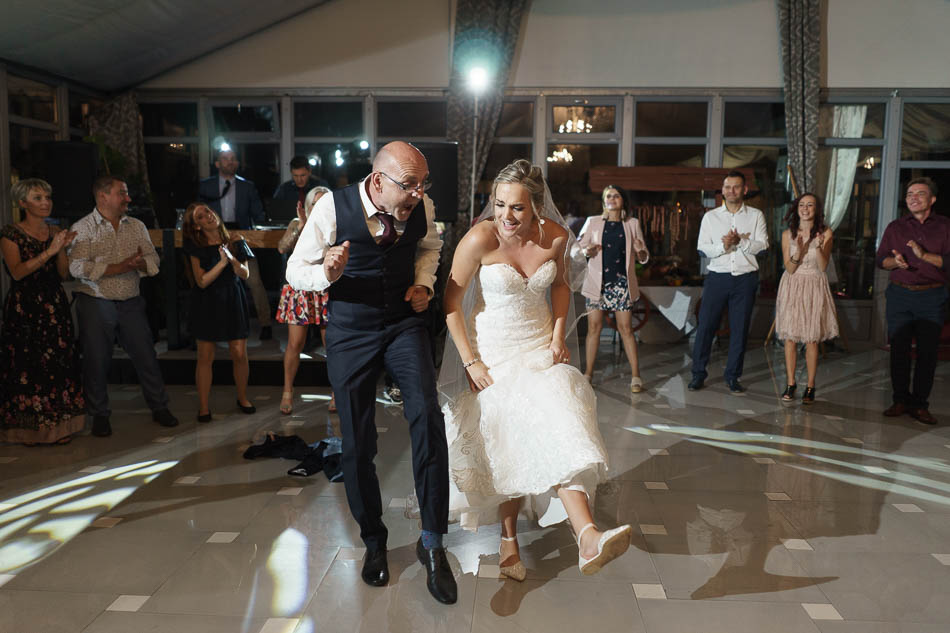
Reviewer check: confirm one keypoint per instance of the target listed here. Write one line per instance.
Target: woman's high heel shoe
(204, 417)
(516, 570)
(612, 544)
(809, 396)
(287, 403)
(789, 393)
(249, 409)
(636, 384)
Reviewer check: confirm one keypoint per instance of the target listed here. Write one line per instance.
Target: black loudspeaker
(70, 168)
(444, 171)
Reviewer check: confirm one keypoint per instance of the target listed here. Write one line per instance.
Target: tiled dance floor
(750, 516)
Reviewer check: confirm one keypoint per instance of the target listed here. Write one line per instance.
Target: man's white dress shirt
(305, 266)
(749, 223)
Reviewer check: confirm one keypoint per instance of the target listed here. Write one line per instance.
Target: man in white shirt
(110, 253)
(377, 250)
(730, 236)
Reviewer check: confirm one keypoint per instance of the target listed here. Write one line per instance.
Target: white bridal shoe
(612, 544)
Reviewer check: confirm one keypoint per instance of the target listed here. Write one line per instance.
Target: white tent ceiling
(111, 45)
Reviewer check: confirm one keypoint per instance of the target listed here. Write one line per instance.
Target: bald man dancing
(377, 250)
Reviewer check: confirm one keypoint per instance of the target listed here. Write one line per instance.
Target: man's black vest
(371, 293)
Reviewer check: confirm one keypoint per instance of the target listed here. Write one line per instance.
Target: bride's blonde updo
(529, 176)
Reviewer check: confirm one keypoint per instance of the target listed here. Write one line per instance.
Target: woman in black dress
(41, 399)
(218, 302)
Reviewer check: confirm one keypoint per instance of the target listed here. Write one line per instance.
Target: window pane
(568, 171)
(31, 99)
(767, 193)
(837, 120)
(754, 119)
(407, 119)
(671, 119)
(584, 119)
(173, 175)
(499, 156)
(340, 164)
(849, 181)
(926, 131)
(80, 106)
(517, 119)
(942, 179)
(328, 118)
(244, 118)
(669, 155)
(24, 156)
(169, 119)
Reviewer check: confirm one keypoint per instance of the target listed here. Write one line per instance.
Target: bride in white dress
(524, 436)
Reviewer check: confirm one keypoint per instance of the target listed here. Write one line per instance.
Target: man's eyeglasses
(420, 188)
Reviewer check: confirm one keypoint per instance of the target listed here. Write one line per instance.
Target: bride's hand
(478, 376)
(560, 352)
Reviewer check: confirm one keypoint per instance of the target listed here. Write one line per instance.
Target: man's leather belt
(917, 286)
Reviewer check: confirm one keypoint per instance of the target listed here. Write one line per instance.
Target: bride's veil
(452, 378)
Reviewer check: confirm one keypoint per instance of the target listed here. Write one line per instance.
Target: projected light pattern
(755, 443)
(32, 525)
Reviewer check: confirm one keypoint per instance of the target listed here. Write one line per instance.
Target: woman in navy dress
(218, 302)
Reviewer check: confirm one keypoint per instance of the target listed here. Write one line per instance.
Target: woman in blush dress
(522, 428)
(614, 244)
(299, 309)
(41, 399)
(804, 308)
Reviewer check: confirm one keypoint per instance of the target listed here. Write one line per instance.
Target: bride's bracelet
(470, 363)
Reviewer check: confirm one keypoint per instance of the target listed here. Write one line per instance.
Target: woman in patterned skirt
(41, 399)
(610, 242)
(299, 309)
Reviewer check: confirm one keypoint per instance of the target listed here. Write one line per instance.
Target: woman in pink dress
(804, 309)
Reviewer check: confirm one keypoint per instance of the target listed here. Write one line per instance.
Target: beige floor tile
(245, 578)
(49, 611)
(536, 606)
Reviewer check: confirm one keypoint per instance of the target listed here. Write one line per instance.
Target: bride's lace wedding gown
(535, 427)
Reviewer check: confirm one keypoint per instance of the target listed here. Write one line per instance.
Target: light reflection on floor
(750, 515)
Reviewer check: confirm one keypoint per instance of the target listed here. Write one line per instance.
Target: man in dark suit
(376, 250)
(302, 180)
(236, 200)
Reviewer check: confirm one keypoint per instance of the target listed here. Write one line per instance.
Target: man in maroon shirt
(916, 249)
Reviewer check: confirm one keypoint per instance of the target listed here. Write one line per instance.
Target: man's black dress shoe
(375, 568)
(695, 384)
(439, 578)
(101, 426)
(735, 386)
(164, 417)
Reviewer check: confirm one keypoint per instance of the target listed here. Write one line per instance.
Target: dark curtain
(800, 31)
(486, 32)
(117, 125)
